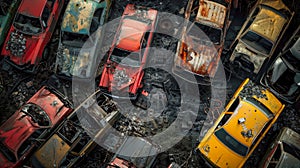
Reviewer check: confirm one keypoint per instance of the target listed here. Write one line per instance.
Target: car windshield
(231, 143)
(125, 57)
(27, 24)
(37, 114)
(7, 153)
(74, 39)
(257, 42)
(291, 149)
(283, 79)
(212, 33)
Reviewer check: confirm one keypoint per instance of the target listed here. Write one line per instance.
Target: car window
(46, 15)
(27, 24)
(260, 106)
(96, 20)
(234, 105)
(70, 129)
(283, 79)
(7, 153)
(74, 39)
(291, 149)
(257, 42)
(231, 143)
(212, 33)
(125, 58)
(37, 114)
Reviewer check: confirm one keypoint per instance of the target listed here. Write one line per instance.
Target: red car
(30, 125)
(31, 31)
(127, 56)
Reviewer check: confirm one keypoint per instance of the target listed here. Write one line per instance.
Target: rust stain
(211, 13)
(78, 15)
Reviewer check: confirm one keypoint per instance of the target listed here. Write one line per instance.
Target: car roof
(134, 148)
(32, 8)
(78, 16)
(131, 34)
(255, 120)
(216, 14)
(268, 23)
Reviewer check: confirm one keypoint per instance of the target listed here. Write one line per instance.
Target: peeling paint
(78, 16)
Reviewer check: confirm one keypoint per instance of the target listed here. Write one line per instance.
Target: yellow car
(241, 126)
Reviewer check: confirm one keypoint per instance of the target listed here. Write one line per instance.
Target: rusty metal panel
(211, 13)
(268, 23)
(78, 16)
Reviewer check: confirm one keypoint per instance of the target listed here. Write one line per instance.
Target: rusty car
(259, 36)
(29, 126)
(284, 150)
(199, 51)
(123, 70)
(135, 152)
(80, 36)
(75, 137)
(7, 12)
(31, 31)
(283, 76)
(241, 126)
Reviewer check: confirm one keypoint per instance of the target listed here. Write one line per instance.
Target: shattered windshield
(212, 33)
(283, 79)
(257, 42)
(74, 39)
(27, 24)
(125, 58)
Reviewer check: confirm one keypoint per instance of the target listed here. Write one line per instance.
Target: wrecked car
(75, 137)
(199, 51)
(284, 151)
(29, 126)
(7, 12)
(32, 28)
(80, 36)
(128, 154)
(259, 36)
(283, 76)
(123, 70)
(241, 126)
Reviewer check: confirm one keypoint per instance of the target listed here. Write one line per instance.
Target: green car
(7, 11)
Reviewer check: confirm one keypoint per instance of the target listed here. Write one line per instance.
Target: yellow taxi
(241, 126)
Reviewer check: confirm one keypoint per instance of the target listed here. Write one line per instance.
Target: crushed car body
(128, 154)
(79, 38)
(30, 32)
(7, 13)
(260, 35)
(241, 126)
(283, 76)
(284, 151)
(123, 71)
(199, 51)
(30, 125)
(75, 137)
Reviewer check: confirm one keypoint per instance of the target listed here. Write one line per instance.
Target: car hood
(119, 77)
(16, 130)
(22, 48)
(51, 104)
(250, 54)
(219, 154)
(203, 61)
(76, 61)
(51, 153)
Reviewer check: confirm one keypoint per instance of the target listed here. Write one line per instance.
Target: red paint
(19, 127)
